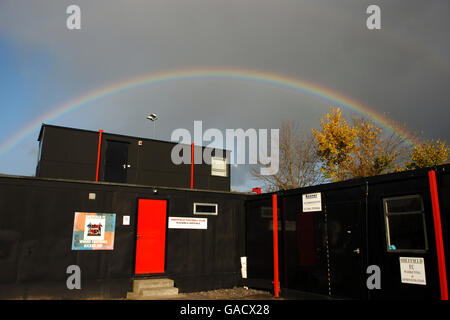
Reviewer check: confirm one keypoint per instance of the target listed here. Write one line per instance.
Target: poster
(93, 231)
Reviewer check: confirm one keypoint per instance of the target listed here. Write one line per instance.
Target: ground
(238, 293)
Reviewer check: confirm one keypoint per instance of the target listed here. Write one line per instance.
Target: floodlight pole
(153, 117)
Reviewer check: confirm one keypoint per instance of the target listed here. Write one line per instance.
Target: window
(206, 208)
(405, 223)
(267, 212)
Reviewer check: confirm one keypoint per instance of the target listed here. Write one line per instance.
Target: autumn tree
(299, 163)
(355, 148)
(429, 153)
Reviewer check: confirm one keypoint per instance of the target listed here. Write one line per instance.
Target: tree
(299, 163)
(357, 148)
(428, 154)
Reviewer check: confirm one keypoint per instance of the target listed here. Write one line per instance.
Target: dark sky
(402, 69)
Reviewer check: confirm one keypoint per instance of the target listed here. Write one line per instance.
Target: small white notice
(126, 220)
(218, 167)
(188, 223)
(412, 270)
(312, 202)
(244, 267)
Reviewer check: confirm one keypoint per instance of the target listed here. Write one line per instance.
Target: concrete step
(139, 285)
(152, 295)
(159, 292)
(147, 289)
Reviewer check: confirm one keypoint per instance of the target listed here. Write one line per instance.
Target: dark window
(405, 223)
(267, 212)
(206, 208)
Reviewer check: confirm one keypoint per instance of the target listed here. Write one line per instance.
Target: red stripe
(98, 154)
(438, 235)
(192, 166)
(276, 281)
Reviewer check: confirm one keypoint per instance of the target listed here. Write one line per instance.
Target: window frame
(206, 213)
(387, 214)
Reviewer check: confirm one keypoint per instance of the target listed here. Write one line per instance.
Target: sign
(188, 223)
(218, 167)
(312, 202)
(244, 267)
(93, 231)
(412, 270)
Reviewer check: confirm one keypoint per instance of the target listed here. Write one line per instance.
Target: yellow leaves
(428, 154)
(336, 138)
(361, 149)
(351, 150)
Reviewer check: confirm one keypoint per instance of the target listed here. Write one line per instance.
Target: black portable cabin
(383, 222)
(37, 232)
(67, 153)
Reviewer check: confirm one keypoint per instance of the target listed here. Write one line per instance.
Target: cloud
(401, 69)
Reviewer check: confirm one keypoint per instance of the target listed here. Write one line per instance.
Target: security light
(153, 117)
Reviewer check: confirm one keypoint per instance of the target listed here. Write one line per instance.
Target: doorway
(116, 161)
(151, 236)
(345, 249)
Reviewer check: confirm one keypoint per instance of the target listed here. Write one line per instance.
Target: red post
(276, 280)
(438, 234)
(99, 153)
(192, 165)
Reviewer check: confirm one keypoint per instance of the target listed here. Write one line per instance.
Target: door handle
(357, 251)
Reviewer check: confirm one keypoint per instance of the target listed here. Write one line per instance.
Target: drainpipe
(192, 165)
(366, 231)
(100, 133)
(276, 280)
(438, 234)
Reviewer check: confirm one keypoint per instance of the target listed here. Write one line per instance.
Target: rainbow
(300, 85)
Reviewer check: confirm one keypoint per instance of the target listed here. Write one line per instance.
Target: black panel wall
(68, 153)
(328, 252)
(36, 227)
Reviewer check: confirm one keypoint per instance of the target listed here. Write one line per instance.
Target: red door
(151, 236)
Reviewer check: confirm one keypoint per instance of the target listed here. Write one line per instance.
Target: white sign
(412, 270)
(126, 220)
(218, 167)
(188, 223)
(312, 202)
(244, 267)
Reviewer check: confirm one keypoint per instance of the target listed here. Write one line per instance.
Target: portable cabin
(336, 238)
(75, 154)
(193, 237)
